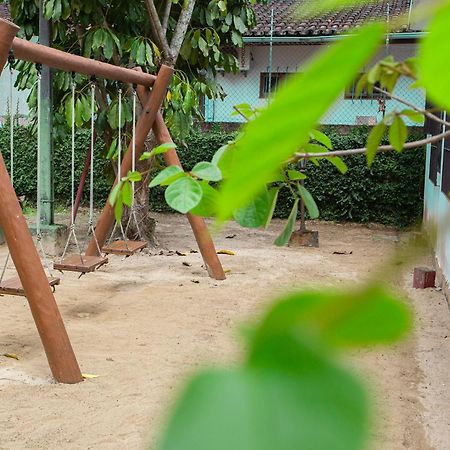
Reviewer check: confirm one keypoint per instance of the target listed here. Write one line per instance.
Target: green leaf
(254, 214)
(342, 319)
(219, 153)
(296, 175)
(273, 197)
(285, 235)
(118, 207)
(114, 193)
(127, 193)
(166, 176)
(413, 115)
(265, 409)
(208, 204)
(338, 163)
(163, 148)
(207, 171)
(309, 202)
(434, 58)
(398, 133)
(374, 140)
(322, 138)
(280, 130)
(183, 194)
(134, 176)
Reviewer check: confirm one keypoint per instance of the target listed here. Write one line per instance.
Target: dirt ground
(143, 324)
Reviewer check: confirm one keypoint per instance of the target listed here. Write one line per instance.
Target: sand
(145, 323)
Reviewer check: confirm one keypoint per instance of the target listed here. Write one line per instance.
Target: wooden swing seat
(83, 264)
(13, 286)
(125, 248)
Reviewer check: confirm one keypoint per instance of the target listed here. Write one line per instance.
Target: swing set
(32, 280)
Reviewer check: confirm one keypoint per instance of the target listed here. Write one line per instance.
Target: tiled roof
(286, 24)
(4, 12)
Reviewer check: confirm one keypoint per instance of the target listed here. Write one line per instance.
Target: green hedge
(25, 168)
(389, 193)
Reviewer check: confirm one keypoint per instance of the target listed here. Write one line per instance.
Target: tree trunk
(141, 226)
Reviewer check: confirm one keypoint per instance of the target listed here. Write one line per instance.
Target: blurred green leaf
(434, 58)
(374, 140)
(398, 133)
(281, 129)
(208, 204)
(254, 214)
(296, 175)
(273, 197)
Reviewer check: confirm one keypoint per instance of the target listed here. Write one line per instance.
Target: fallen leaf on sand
(225, 252)
(180, 253)
(89, 376)
(11, 355)
(185, 263)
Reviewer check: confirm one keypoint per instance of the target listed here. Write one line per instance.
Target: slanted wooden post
(143, 127)
(49, 323)
(198, 225)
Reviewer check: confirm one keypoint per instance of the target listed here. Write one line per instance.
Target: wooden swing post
(44, 309)
(198, 225)
(143, 127)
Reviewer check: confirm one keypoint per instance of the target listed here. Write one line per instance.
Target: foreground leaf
(434, 58)
(264, 409)
(284, 127)
(373, 141)
(207, 171)
(255, 213)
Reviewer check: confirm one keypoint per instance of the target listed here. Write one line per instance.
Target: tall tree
(196, 37)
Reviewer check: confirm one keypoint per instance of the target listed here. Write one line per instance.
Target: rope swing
(79, 262)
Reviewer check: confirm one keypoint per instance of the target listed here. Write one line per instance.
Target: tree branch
(180, 30)
(166, 16)
(158, 29)
(414, 107)
(382, 148)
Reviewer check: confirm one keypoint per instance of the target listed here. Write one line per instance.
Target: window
(350, 92)
(270, 82)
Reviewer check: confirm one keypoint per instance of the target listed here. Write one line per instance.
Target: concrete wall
(245, 87)
(437, 215)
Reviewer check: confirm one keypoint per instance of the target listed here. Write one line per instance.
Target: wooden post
(49, 323)
(198, 225)
(143, 127)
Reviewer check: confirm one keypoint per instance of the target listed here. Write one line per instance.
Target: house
(282, 44)
(436, 212)
(19, 104)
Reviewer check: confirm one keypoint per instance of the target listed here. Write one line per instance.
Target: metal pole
(46, 135)
(49, 323)
(143, 127)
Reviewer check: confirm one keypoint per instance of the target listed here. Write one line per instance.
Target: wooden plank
(122, 247)
(80, 263)
(13, 286)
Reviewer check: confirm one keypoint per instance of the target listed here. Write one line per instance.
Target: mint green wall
(436, 216)
(244, 87)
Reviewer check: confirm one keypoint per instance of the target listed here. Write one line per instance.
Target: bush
(25, 167)
(390, 192)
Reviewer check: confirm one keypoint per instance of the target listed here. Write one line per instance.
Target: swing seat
(83, 264)
(13, 286)
(125, 248)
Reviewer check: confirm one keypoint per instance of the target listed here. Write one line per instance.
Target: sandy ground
(145, 323)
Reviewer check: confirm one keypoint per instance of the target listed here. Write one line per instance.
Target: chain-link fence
(266, 64)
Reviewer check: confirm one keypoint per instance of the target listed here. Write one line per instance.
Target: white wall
(244, 87)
